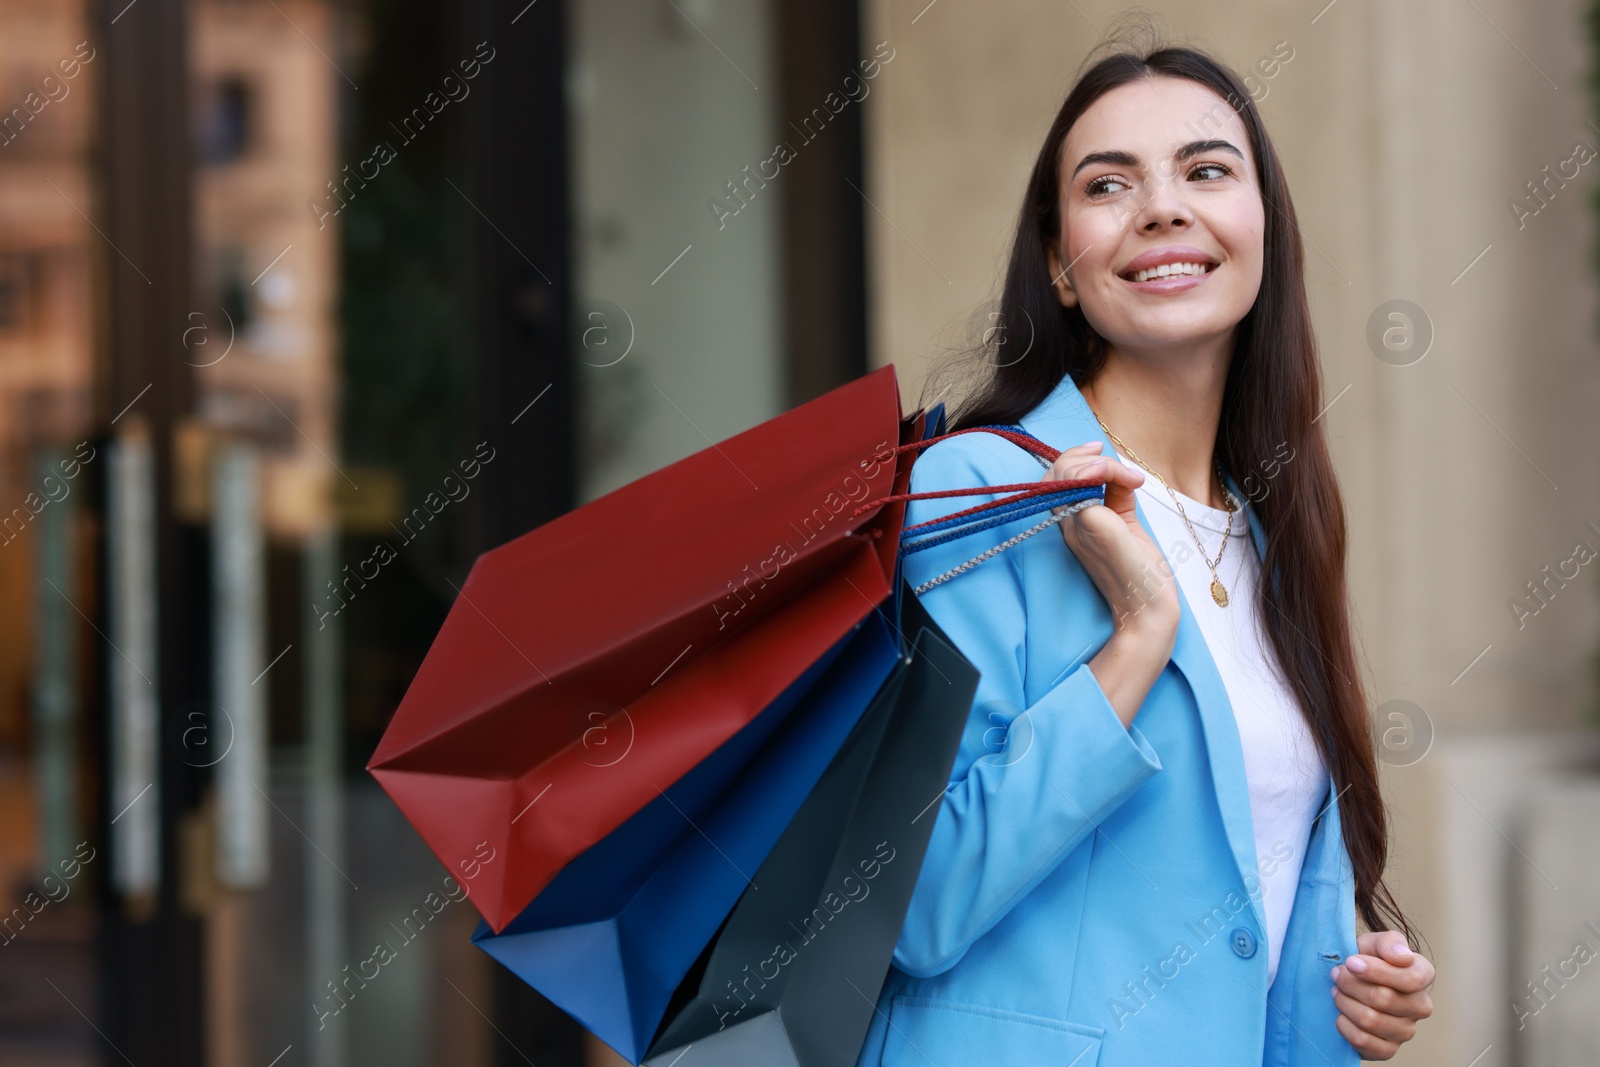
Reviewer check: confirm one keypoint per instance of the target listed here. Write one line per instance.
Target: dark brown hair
(1272, 397)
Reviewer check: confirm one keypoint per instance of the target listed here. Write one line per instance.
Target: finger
(1386, 944)
(1412, 1004)
(1388, 1027)
(1074, 461)
(1424, 968)
(1070, 460)
(1075, 466)
(1370, 1047)
(1411, 978)
(1126, 474)
(1121, 481)
(1088, 448)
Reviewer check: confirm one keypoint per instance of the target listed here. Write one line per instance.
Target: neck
(1165, 407)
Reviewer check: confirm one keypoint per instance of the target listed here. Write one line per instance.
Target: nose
(1165, 205)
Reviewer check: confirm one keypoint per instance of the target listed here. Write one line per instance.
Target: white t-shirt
(1285, 771)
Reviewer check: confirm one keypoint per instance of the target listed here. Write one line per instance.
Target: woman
(1164, 819)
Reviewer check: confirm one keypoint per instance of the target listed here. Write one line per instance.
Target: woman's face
(1162, 219)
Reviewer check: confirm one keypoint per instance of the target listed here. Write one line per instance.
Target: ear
(1058, 279)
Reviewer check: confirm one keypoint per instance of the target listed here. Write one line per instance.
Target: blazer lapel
(1064, 419)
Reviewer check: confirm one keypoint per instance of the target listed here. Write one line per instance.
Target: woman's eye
(1103, 186)
(1210, 171)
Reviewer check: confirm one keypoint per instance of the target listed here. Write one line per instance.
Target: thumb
(1396, 951)
(1121, 480)
(1388, 945)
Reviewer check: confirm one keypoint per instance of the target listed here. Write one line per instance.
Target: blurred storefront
(49, 449)
(275, 276)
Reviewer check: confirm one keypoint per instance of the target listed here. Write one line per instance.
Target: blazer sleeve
(1030, 781)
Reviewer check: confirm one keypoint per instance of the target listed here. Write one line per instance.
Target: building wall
(1406, 130)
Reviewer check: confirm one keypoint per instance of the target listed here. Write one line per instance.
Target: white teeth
(1166, 269)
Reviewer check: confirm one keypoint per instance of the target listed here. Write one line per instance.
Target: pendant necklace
(1218, 592)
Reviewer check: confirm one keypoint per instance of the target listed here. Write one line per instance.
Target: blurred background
(305, 303)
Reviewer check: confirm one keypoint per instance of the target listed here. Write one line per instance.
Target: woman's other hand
(1382, 993)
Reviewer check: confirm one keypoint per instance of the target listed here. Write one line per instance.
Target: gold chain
(1219, 592)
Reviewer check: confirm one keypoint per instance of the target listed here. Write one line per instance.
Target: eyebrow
(1119, 158)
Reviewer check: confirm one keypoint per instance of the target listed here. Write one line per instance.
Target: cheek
(1243, 244)
(1091, 241)
(1088, 231)
(1242, 232)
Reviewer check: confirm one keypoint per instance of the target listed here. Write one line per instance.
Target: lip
(1176, 283)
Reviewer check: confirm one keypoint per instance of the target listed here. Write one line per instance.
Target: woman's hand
(1112, 545)
(1381, 994)
(1130, 572)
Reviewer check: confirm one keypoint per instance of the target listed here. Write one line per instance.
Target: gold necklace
(1218, 592)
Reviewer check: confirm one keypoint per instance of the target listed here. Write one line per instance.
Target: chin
(1171, 331)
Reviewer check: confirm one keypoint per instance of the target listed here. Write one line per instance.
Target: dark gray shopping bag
(793, 976)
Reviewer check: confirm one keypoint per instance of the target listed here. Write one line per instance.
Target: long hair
(1271, 400)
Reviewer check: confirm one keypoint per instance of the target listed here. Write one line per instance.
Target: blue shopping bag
(788, 979)
(613, 935)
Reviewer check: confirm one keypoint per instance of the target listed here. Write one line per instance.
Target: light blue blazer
(1089, 895)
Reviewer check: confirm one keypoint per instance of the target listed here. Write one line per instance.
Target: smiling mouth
(1168, 270)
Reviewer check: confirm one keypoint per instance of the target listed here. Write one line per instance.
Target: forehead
(1152, 118)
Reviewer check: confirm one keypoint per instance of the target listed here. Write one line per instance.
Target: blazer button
(1243, 942)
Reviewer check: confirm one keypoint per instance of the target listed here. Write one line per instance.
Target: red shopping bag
(590, 663)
